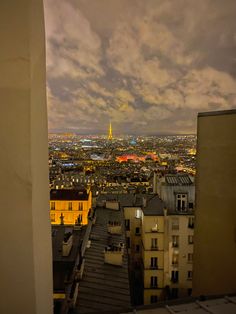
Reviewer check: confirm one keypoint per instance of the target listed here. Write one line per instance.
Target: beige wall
(26, 273)
(215, 231)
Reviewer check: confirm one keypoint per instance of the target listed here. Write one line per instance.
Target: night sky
(148, 66)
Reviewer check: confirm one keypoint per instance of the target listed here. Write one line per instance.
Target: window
(128, 242)
(137, 248)
(137, 231)
(190, 239)
(189, 292)
(190, 205)
(153, 299)
(138, 213)
(52, 216)
(153, 282)
(153, 262)
(191, 222)
(181, 202)
(154, 243)
(175, 241)
(79, 219)
(174, 293)
(70, 206)
(175, 259)
(175, 224)
(80, 206)
(52, 205)
(174, 276)
(190, 257)
(127, 224)
(190, 274)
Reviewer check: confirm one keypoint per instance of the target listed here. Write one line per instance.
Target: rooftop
(154, 206)
(216, 113)
(104, 287)
(69, 195)
(178, 179)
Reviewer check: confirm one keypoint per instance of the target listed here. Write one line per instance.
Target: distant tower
(110, 132)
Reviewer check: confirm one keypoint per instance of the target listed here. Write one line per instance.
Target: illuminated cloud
(149, 66)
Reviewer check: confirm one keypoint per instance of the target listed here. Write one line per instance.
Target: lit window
(138, 213)
(52, 205)
(191, 222)
(70, 206)
(175, 241)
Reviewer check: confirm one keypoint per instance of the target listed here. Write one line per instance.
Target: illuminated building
(110, 132)
(70, 207)
(215, 231)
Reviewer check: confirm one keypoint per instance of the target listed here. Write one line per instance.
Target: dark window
(153, 282)
(127, 224)
(174, 276)
(189, 292)
(174, 293)
(137, 230)
(128, 242)
(137, 248)
(190, 205)
(153, 262)
(52, 205)
(153, 299)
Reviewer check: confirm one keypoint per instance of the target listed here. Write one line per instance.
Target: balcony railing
(154, 248)
(174, 280)
(153, 267)
(174, 244)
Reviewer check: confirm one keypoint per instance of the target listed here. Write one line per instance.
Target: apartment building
(178, 194)
(153, 237)
(70, 207)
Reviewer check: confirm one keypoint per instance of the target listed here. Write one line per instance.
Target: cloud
(149, 66)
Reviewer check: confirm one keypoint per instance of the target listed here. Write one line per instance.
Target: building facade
(215, 234)
(70, 207)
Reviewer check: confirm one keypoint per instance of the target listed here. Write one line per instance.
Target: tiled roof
(104, 287)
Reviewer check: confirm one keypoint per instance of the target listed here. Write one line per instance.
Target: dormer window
(181, 202)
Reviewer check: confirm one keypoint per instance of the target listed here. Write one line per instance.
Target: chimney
(144, 202)
(155, 182)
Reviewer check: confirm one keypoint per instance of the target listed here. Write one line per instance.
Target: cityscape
(118, 172)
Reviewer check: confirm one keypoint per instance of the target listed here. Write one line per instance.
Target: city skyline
(149, 67)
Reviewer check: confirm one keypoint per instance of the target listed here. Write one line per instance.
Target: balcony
(175, 244)
(154, 248)
(191, 226)
(175, 263)
(153, 267)
(174, 280)
(153, 286)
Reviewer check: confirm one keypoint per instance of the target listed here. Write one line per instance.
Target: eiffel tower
(110, 132)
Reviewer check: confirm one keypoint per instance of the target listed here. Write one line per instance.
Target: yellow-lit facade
(153, 257)
(69, 211)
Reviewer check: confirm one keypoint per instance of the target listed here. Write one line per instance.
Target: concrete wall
(26, 272)
(215, 230)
